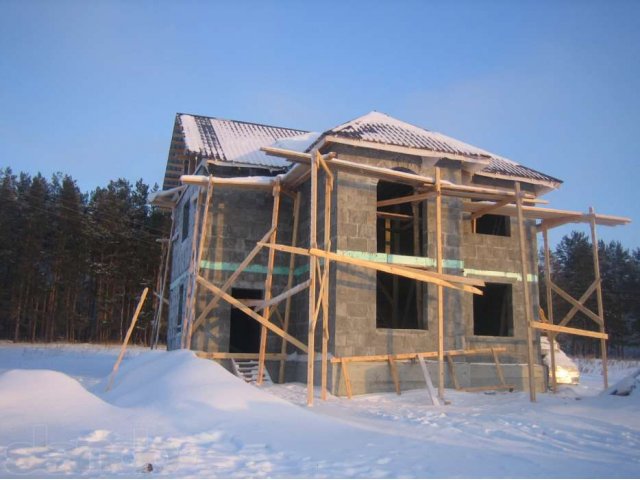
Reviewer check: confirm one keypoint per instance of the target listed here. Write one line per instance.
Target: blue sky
(91, 88)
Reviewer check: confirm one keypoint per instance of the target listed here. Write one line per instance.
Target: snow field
(189, 417)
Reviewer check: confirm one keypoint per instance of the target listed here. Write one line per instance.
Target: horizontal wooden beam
(418, 197)
(259, 318)
(411, 356)
(548, 327)
(489, 387)
(490, 208)
(450, 281)
(394, 216)
(239, 356)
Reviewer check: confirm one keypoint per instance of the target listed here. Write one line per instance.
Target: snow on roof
(229, 141)
(377, 127)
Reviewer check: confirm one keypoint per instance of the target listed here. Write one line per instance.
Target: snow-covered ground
(188, 417)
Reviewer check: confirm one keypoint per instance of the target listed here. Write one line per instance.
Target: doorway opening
(244, 334)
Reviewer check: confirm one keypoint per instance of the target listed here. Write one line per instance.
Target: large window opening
(493, 311)
(499, 225)
(244, 334)
(399, 300)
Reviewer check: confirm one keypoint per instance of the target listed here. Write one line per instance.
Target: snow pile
(627, 386)
(615, 368)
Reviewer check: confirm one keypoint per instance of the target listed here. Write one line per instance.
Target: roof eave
(543, 186)
(472, 164)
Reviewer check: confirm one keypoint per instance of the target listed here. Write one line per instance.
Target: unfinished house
(376, 256)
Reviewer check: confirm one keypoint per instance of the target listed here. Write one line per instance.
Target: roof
(231, 141)
(238, 143)
(379, 128)
(222, 141)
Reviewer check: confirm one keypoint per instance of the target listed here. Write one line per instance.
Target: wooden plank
(427, 378)
(328, 192)
(416, 197)
(490, 208)
(417, 250)
(440, 290)
(269, 280)
(526, 294)
(550, 335)
(394, 216)
(292, 264)
(239, 356)
(461, 283)
(452, 372)
(569, 330)
(230, 281)
(576, 304)
(412, 355)
(125, 342)
(347, 378)
(489, 387)
(596, 271)
(499, 370)
(585, 296)
(313, 242)
(394, 374)
(262, 304)
(203, 234)
(259, 318)
(193, 273)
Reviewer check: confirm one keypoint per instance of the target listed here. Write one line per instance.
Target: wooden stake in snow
(123, 349)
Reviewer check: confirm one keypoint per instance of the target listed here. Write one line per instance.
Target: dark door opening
(245, 331)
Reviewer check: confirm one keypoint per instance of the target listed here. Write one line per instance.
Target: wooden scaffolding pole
(292, 265)
(328, 190)
(596, 271)
(313, 218)
(198, 257)
(526, 294)
(269, 280)
(165, 274)
(550, 335)
(440, 288)
(193, 273)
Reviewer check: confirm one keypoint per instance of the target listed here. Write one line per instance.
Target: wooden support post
(269, 280)
(123, 349)
(427, 378)
(313, 243)
(550, 336)
(165, 273)
(394, 374)
(328, 190)
(292, 265)
(198, 256)
(347, 379)
(193, 274)
(499, 370)
(596, 271)
(526, 294)
(417, 251)
(440, 290)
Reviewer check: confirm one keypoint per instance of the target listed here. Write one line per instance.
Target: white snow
(189, 417)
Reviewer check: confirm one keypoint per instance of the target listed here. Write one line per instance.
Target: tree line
(73, 264)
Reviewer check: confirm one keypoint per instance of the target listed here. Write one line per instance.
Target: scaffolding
(477, 202)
